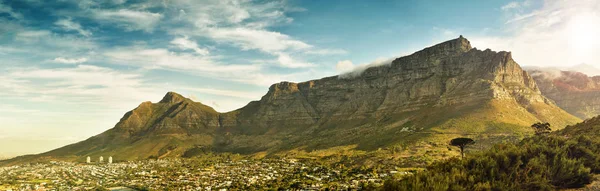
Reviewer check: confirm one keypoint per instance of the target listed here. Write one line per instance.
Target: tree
(541, 128)
(461, 143)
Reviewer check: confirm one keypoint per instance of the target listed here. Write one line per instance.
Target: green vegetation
(537, 163)
(461, 143)
(541, 128)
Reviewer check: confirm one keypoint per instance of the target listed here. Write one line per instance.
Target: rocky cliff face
(410, 93)
(574, 92)
(431, 96)
(445, 74)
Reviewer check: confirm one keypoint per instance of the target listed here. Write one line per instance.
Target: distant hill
(427, 98)
(574, 92)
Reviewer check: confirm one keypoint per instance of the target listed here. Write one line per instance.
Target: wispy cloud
(82, 84)
(8, 10)
(511, 5)
(69, 60)
(69, 25)
(129, 19)
(185, 43)
(325, 52)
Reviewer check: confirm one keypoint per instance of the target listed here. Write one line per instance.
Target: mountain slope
(574, 92)
(426, 98)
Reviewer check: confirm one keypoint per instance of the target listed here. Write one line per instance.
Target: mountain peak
(172, 97)
(460, 43)
(451, 47)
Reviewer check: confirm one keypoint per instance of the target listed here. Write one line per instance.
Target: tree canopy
(461, 143)
(541, 128)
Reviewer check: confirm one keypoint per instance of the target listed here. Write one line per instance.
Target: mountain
(574, 92)
(587, 69)
(419, 101)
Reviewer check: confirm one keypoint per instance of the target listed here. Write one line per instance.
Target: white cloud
(359, 69)
(263, 40)
(129, 19)
(559, 34)
(326, 52)
(205, 66)
(45, 42)
(511, 5)
(69, 60)
(273, 43)
(80, 85)
(245, 24)
(516, 5)
(31, 35)
(165, 59)
(69, 25)
(185, 43)
(344, 66)
(287, 61)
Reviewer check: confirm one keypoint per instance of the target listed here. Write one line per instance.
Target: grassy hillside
(564, 159)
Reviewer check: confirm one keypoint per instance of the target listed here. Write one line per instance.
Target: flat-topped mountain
(574, 92)
(426, 99)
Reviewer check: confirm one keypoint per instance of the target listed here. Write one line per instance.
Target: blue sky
(71, 68)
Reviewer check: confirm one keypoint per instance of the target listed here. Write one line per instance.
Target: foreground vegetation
(544, 162)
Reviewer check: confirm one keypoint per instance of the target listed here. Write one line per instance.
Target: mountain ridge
(446, 90)
(575, 92)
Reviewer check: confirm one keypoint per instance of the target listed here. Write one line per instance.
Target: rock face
(574, 92)
(433, 95)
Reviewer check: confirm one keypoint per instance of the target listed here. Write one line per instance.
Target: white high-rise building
(88, 160)
(101, 159)
(110, 160)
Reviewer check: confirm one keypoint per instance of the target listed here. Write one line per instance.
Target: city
(191, 174)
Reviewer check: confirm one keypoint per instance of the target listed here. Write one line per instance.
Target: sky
(70, 69)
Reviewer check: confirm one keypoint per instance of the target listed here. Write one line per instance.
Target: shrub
(537, 163)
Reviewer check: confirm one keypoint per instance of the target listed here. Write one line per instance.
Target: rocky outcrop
(574, 92)
(443, 91)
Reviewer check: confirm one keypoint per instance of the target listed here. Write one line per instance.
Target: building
(101, 159)
(110, 160)
(88, 160)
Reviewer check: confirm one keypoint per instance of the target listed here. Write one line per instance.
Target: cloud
(558, 34)
(324, 52)
(129, 19)
(185, 43)
(82, 85)
(164, 59)
(8, 10)
(344, 66)
(511, 5)
(359, 69)
(32, 35)
(287, 61)
(263, 40)
(70, 60)
(45, 42)
(194, 64)
(516, 5)
(246, 25)
(69, 25)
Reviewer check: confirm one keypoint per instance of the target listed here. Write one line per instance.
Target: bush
(537, 163)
